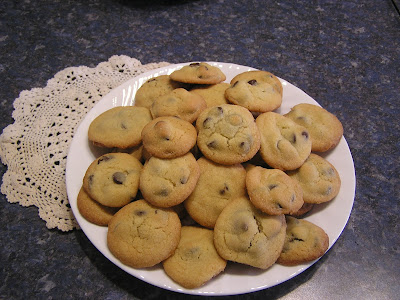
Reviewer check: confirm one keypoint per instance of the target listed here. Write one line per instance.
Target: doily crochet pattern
(36, 145)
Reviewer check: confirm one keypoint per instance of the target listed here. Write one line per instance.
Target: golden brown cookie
(168, 137)
(227, 134)
(168, 182)
(93, 211)
(179, 102)
(195, 260)
(246, 235)
(217, 186)
(273, 191)
(213, 94)
(318, 178)
(199, 73)
(258, 91)
(141, 235)
(285, 145)
(119, 127)
(324, 128)
(304, 242)
(113, 179)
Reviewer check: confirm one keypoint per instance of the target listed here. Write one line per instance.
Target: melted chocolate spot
(212, 144)
(140, 212)
(272, 186)
(103, 159)
(252, 82)
(305, 134)
(119, 177)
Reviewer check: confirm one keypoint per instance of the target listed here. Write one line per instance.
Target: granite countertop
(345, 54)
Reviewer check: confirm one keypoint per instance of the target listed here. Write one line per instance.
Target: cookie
(199, 73)
(304, 242)
(141, 235)
(217, 186)
(168, 182)
(93, 211)
(179, 102)
(273, 191)
(168, 137)
(324, 128)
(113, 179)
(246, 235)
(213, 94)
(258, 91)
(227, 134)
(195, 260)
(119, 127)
(154, 88)
(285, 145)
(318, 178)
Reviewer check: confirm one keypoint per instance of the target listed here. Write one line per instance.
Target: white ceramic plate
(236, 279)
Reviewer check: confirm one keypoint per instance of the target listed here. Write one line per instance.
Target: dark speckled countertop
(345, 54)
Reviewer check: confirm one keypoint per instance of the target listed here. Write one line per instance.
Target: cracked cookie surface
(119, 127)
(227, 134)
(195, 260)
(217, 186)
(258, 91)
(168, 182)
(318, 178)
(246, 235)
(285, 145)
(113, 179)
(141, 235)
(304, 242)
(199, 73)
(273, 191)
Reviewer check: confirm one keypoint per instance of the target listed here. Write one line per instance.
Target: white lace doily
(35, 147)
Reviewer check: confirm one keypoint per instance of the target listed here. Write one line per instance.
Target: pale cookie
(246, 235)
(304, 242)
(227, 134)
(258, 91)
(217, 186)
(179, 102)
(318, 179)
(141, 235)
(119, 127)
(168, 182)
(168, 137)
(199, 73)
(213, 94)
(324, 128)
(154, 88)
(113, 179)
(195, 260)
(285, 145)
(273, 191)
(92, 210)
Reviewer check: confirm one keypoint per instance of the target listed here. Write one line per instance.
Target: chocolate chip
(252, 82)
(103, 159)
(162, 192)
(206, 122)
(272, 186)
(212, 144)
(224, 190)
(294, 138)
(150, 80)
(220, 110)
(91, 179)
(119, 177)
(194, 64)
(123, 126)
(305, 134)
(184, 180)
(245, 146)
(140, 212)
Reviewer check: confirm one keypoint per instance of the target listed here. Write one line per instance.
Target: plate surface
(236, 279)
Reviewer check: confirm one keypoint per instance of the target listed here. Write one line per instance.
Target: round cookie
(119, 127)
(318, 179)
(246, 235)
(154, 88)
(324, 128)
(168, 182)
(217, 186)
(227, 134)
(198, 73)
(258, 91)
(141, 235)
(285, 145)
(93, 211)
(273, 191)
(113, 179)
(213, 94)
(195, 260)
(168, 137)
(304, 242)
(179, 102)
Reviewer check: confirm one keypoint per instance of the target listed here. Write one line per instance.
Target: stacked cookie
(201, 172)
